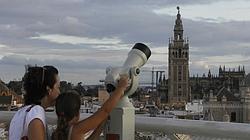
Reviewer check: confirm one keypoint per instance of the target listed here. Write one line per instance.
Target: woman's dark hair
(67, 107)
(35, 82)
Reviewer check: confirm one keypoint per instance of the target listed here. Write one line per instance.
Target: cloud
(87, 35)
(219, 13)
(67, 68)
(3, 46)
(72, 20)
(74, 40)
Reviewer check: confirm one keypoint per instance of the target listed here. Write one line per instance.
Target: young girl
(67, 109)
(41, 85)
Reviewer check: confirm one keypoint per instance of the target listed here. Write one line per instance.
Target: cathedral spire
(178, 27)
(178, 14)
(178, 22)
(160, 79)
(209, 74)
(220, 69)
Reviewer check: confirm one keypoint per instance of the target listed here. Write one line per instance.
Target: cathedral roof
(227, 93)
(3, 87)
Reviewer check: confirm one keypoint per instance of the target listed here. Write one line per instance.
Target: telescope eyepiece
(110, 88)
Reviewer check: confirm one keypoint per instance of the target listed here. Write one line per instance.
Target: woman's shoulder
(37, 108)
(24, 110)
(23, 117)
(35, 112)
(31, 109)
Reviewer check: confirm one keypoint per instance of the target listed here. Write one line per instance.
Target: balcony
(177, 129)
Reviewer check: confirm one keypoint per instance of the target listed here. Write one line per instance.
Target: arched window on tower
(179, 53)
(186, 55)
(179, 36)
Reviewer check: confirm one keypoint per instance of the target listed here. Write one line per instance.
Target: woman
(67, 109)
(41, 86)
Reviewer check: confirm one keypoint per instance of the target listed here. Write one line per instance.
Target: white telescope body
(122, 118)
(137, 57)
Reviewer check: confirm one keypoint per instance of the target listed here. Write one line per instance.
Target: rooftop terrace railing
(214, 129)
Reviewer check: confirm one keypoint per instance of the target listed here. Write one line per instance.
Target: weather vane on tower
(178, 8)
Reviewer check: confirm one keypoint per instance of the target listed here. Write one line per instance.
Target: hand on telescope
(123, 82)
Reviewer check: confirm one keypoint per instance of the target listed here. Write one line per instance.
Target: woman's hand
(123, 82)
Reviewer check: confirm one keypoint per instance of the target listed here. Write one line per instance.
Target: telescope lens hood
(142, 47)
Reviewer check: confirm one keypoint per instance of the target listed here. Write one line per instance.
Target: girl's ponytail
(61, 132)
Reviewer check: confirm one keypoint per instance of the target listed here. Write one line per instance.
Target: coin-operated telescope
(122, 118)
(137, 57)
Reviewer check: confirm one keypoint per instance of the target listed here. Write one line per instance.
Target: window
(179, 73)
(179, 78)
(233, 117)
(179, 53)
(179, 93)
(179, 88)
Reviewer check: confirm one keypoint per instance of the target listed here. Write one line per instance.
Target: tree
(80, 89)
(65, 86)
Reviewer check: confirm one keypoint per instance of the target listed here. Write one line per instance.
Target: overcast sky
(83, 37)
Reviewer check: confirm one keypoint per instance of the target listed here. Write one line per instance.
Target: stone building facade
(229, 105)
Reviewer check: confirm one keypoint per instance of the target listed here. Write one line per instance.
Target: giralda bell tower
(178, 65)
